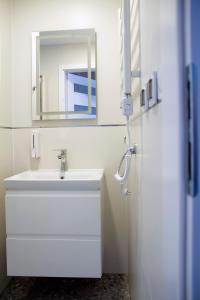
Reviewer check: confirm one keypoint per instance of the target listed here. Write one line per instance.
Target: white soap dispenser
(35, 144)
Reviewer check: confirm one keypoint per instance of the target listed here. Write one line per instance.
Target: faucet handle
(62, 151)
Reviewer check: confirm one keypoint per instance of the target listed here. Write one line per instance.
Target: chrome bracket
(132, 150)
(135, 74)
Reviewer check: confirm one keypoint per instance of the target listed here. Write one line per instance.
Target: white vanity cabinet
(54, 233)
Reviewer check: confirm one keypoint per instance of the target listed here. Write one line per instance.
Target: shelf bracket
(135, 74)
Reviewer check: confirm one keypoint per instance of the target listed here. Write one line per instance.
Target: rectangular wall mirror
(64, 75)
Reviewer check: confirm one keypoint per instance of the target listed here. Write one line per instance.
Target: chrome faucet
(63, 159)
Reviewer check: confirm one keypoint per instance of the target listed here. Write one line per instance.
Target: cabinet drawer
(54, 257)
(50, 214)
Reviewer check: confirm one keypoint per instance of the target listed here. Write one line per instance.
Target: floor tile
(109, 287)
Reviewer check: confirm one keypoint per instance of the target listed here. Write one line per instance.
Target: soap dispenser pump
(35, 145)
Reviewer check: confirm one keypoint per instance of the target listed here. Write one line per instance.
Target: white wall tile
(5, 171)
(29, 16)
(156, 208)
(5, 63)
(5, 120)
(88, 147)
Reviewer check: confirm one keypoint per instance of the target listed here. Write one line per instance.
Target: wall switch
(143, 100)
(152, 91)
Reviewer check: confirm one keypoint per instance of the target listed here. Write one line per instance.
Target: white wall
(88, 147)
(5, 63)
(157, 205)
(102, 152)
(5, 120)
(29, 16)
(5, 171)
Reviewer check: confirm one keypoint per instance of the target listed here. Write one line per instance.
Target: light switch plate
(143, 100)
(152, 90)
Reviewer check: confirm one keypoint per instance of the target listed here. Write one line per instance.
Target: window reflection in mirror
(73, 90)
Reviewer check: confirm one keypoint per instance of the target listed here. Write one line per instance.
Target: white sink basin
(75, 179)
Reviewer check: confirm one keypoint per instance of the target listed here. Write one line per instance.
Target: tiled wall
(5, 171)
(5, 120)
(29, 16)
(5, 63)
(88, 147)
(156, 207)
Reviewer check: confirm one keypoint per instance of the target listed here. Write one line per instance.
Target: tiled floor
(110, 287)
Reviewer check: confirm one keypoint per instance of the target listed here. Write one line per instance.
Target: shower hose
(126, 160)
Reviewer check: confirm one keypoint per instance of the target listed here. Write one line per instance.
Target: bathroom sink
(74, 179)
(53, 225)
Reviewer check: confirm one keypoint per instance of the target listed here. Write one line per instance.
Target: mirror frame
(37, 114)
